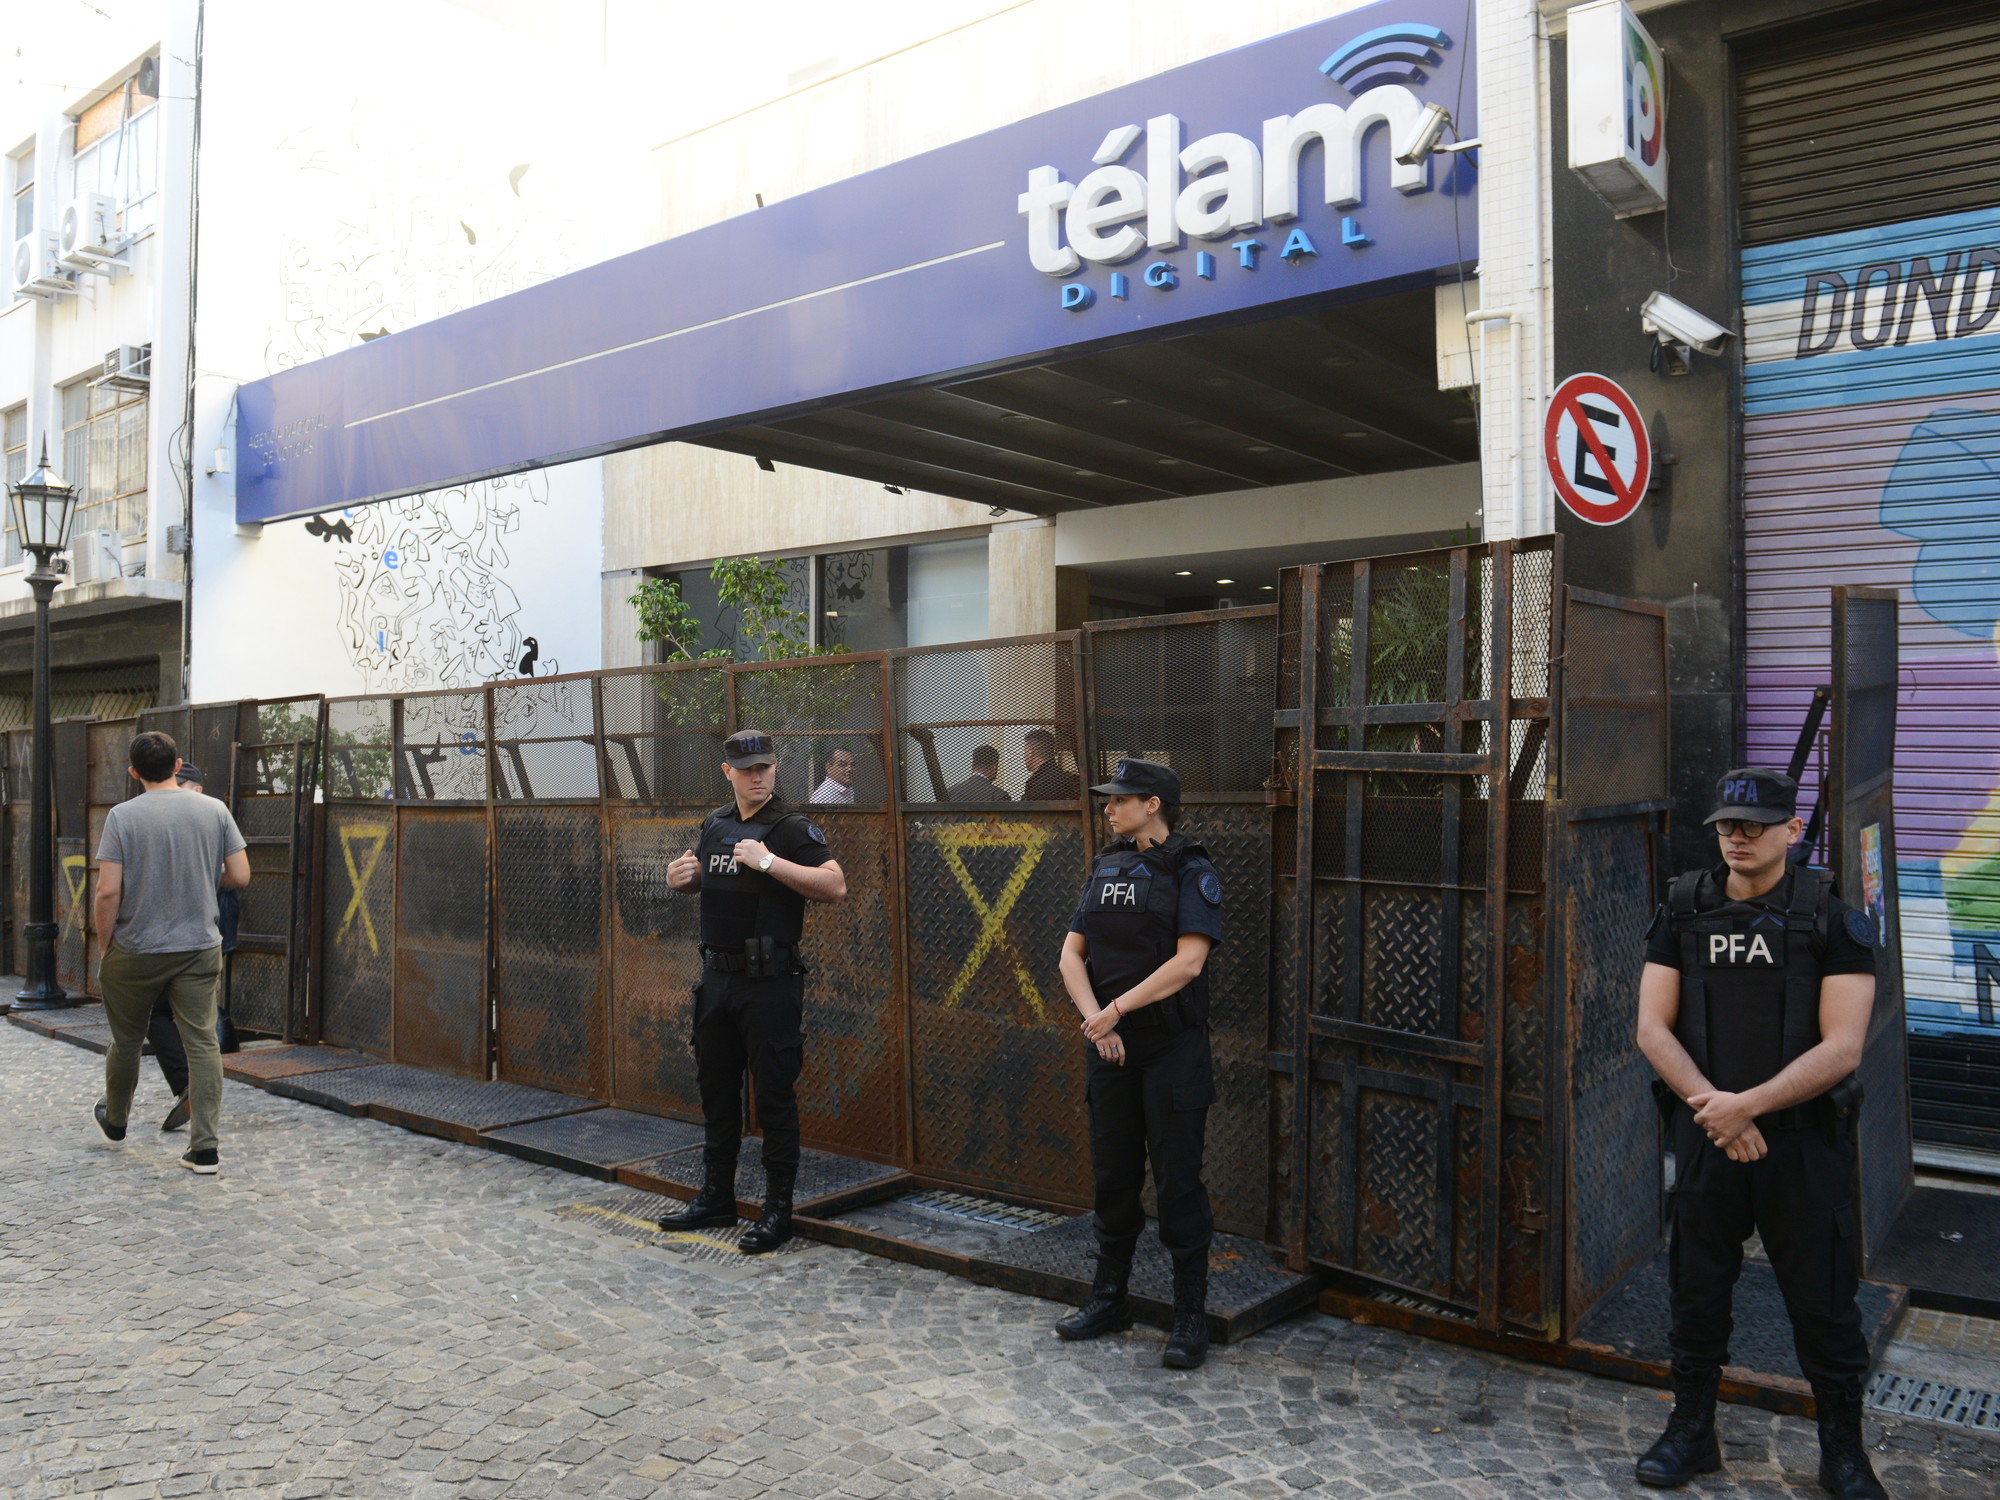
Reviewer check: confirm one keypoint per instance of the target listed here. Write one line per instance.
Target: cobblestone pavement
(355, 1310)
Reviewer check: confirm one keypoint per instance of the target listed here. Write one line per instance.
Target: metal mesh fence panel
(72, 891)
(545, 740)
(442, 748)
(965, 716)
(1615, 705)
(654, 964)
(440, 911)
(851, 1095)
(662, 734)
(257, 991)
(1614, 1202)
(110, 754)
(358, 758)
(996, 1063)
(357, 953)
(1195, 696)
(550, 1004)
(827, 719)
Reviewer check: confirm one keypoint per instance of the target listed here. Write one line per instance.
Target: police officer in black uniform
(1753, 1009)
(756, 864)
(1133, 964)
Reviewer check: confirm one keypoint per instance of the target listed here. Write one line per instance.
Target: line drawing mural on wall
(425, 597)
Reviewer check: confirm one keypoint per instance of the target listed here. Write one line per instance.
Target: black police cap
(750, 747)
(189, 771)
(1142, 778)
(1754, 795)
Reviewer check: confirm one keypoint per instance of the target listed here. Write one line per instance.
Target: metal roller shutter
(1871, 289)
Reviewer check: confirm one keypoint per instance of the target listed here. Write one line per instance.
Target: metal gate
(354, 983)
(272, 779)
(109, 744)
(73, 853)
(1423, 1066)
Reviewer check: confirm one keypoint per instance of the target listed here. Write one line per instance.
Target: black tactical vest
(1761, 963)
(1131, 925)
(739, 902)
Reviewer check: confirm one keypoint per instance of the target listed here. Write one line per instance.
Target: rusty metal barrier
(73, 853)
(1431, 1077)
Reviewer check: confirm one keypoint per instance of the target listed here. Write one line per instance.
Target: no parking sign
(1597, 449)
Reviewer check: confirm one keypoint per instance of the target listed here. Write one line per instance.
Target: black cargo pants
(1153, 1107)
(1800, 1199)
(755, 1024)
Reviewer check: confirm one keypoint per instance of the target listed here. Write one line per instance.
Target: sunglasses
(1731, 828)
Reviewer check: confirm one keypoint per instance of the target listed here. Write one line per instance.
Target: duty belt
(760, 958)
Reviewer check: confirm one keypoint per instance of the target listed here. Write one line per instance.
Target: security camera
(1676, 323)
(1424, 135)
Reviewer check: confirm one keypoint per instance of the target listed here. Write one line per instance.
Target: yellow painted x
(1032, 840)
(376, 834)
(76, 870)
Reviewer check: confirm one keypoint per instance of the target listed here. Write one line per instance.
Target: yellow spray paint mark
(377, 835)
(670, 1236)
(76, 873)
(1032, 841)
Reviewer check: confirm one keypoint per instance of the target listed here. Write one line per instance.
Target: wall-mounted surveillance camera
(1426, 134)
(1680, 328)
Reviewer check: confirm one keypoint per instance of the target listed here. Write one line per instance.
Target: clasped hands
(1729, 1120)
(1101, 1031)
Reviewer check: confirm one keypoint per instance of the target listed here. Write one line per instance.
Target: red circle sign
(1597, 449)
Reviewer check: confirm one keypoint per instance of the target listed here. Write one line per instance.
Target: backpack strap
(1691, 1024)
(1805, 947)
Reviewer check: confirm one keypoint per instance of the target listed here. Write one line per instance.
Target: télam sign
(1218, 190)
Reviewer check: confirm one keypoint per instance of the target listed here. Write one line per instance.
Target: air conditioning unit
(129, 367)
(38, 269)
(89, 239)
(96, 557)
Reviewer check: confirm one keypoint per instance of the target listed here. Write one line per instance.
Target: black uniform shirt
(1746, 1048)
(1199, 908)
(733, 896)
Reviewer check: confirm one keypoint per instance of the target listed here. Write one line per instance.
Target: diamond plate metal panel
(1238, 840)
(72, 910)
(1402, 972)
(1524, 1223)
(1525, 1065)
(654, 965)
(257, 991)
(357, 952)
(1329, 951)
(851, 1094)
(1190, 695)
(548, 938)
(996, 1061)
(441, 928)
(1396, 1196)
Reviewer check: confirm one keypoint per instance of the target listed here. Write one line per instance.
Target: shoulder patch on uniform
(814, 832)
(1861, 927)
(1211, 887)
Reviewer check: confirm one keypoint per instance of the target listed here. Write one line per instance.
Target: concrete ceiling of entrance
(1320, 394)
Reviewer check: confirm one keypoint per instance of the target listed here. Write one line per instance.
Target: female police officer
(1133, 961)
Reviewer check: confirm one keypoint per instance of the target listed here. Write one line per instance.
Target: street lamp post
(43, 507)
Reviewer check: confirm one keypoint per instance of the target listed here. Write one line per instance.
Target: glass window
(24, 193)
(14, 439)
(104, 456)
(885, 597)
(947, 592)
(720, 626)
(117, 153)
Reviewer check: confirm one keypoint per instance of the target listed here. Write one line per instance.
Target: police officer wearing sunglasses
(1134, 963)
(1753, 1009)
(756, 865)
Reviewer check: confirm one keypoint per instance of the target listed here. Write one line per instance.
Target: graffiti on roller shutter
(1872, 457)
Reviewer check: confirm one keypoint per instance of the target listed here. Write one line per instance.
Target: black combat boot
(774, 1225)
(1688, 1446)
(1187, 1345)
(1107, 1311)
(714, 1204)
(1844, 1470)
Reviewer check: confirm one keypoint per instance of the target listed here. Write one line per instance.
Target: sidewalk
(355, 1309)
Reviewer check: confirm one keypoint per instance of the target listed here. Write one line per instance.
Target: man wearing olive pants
(155, 909)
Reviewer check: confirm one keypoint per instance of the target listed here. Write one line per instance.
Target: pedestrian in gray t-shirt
(158, 865)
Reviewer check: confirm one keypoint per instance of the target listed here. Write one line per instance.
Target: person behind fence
(838, 785)
(1753, 1008)
(1134, 964)
(156, 920)
(161, 1032)
(756, 864)
(983, 784)
(1047, 780)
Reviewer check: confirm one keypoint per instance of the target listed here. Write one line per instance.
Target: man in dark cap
(757, 862)
(1753, 1009)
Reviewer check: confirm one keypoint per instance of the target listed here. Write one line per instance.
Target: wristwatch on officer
(767, 861)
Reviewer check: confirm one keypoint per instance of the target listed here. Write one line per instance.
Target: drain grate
(634, 1216)
(983, 1210)
(1935, 1401)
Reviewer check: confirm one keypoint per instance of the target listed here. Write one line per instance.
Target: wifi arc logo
(1388, 54)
